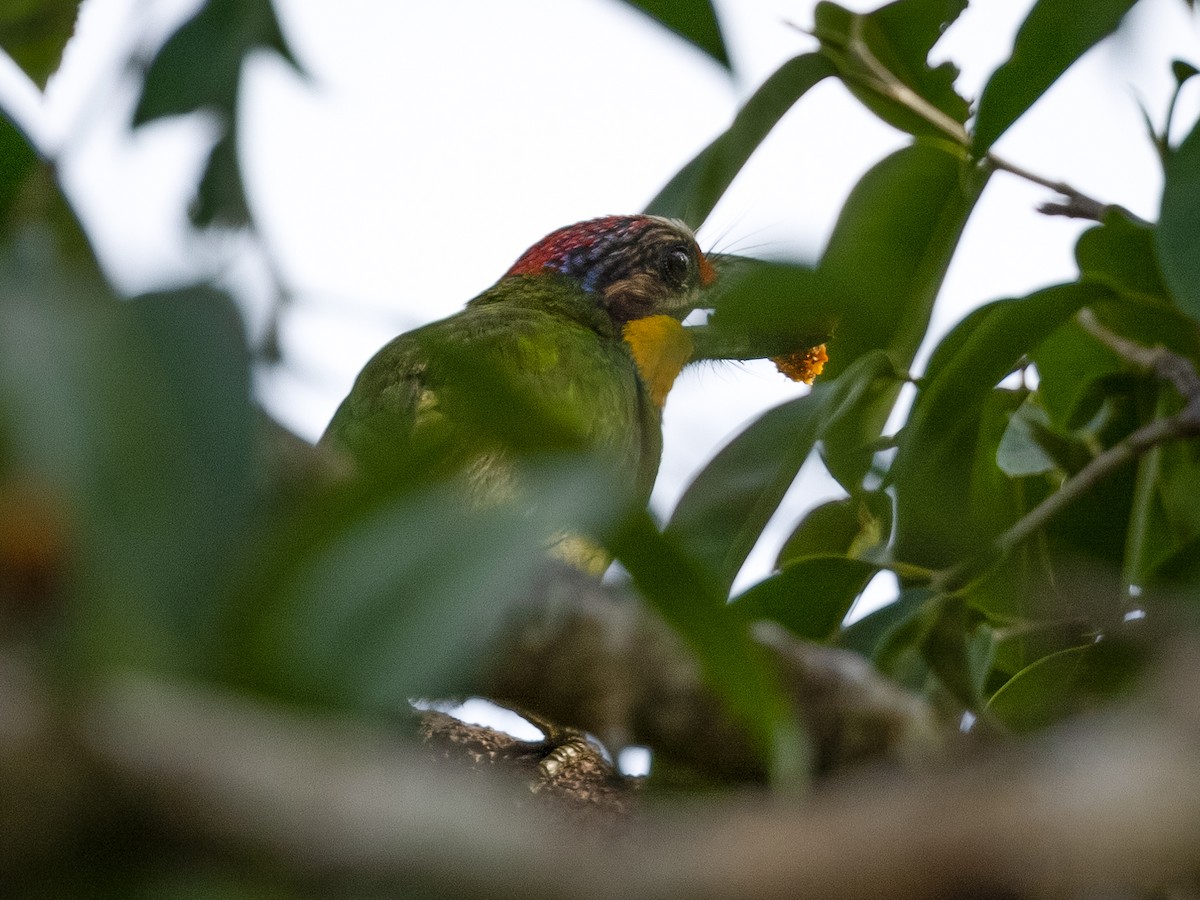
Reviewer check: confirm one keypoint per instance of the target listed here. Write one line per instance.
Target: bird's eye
(676, 266)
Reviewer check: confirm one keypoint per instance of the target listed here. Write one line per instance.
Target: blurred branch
(1109, 804)
(1160, 361)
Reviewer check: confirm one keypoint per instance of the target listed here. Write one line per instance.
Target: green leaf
(1065, 683)
(695, 22)
(882, 57)
(200, 65)
(137, 416)
(696, 188)
(724, 510)
(889, 251)
(932, 474)
(689, 596)
(1176, 239)
(874, 287)
(1051, 38)
(853, 526)
(809, 597)
(993, 502)
(851, 437)
(1119, 254)
(1166, 503)
(1070, 363)
(34, 33)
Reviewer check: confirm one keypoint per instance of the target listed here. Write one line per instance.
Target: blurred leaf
(200, 347)
(852, 526)
(764, 309)
(889, 251)
(1177, 576)
(221, 197)
(696, 188)
(200, 67)
(809, 597)
(133, 416)
(1176, 238)
(931, 473)
(1065, 683)
(1051, 38)
(1151, 324)
(686, 593)
(34, 33)
(1183, 70)
(882, 57)
(1119, 254)
(367, 600)
(32, 206)
(726, 507)
(693, 20)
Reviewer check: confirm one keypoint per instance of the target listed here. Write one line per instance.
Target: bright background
(430, 144)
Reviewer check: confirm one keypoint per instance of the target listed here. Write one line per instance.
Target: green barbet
(585, 327)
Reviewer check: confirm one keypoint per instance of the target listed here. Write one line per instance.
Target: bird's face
(636, 266)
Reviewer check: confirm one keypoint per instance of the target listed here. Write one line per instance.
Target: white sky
(433, 143)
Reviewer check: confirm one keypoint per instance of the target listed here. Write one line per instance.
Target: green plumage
(482, 383)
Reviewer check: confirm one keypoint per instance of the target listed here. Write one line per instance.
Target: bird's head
(636, 266)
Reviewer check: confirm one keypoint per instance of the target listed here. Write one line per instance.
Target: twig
(1076, 204)
(1164, 363)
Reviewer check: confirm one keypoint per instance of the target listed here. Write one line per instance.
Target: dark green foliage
(693, 20)
(177, 544)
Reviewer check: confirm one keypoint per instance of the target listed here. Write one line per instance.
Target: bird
(584, 330)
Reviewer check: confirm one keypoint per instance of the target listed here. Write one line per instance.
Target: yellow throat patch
(661, 347)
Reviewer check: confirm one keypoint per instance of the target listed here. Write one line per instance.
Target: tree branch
(593, 657)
